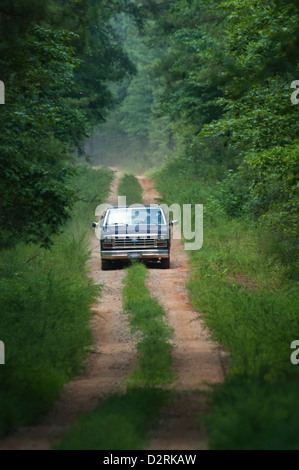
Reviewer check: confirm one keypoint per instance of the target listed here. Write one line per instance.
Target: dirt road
(196, 359)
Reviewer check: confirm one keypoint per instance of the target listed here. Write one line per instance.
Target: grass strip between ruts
(147, 320)
(130, 187)
(122, 421)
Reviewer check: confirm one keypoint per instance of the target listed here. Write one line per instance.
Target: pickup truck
(135, 232)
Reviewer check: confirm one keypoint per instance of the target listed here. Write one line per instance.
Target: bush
(248, 414)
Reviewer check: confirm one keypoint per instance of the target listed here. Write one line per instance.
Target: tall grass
(45, 299)
(256, 324)
(251, 307)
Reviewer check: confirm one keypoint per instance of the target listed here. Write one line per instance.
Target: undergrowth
(250, 304)
(45, 299)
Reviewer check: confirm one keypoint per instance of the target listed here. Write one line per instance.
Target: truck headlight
(107, 243)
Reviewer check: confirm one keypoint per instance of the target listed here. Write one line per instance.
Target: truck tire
(106, 264)
(165, 262)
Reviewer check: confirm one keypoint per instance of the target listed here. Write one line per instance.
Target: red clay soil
(198, 361)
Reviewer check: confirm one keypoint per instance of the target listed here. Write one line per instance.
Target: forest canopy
(205, 81)
(225, 86)
(57, 61)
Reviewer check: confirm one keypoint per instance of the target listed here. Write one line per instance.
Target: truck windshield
(134, 216)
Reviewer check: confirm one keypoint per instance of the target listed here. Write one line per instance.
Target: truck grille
(133, 242)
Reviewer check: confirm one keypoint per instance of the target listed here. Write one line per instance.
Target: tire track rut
(196, 359)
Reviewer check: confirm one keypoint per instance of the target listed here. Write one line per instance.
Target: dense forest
(201, 93)
(213, 77)
(57, 62)
(134, 136)
(216, 81)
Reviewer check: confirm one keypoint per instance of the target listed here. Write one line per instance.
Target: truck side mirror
(174, 222)
(94, 225)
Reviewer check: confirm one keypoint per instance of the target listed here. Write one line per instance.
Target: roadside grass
(122, 421)
(45, 299)
(251, 308)
(129, 186)
(248, 413)
(255, 324)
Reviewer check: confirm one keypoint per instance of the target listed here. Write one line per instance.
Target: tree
(57, 62)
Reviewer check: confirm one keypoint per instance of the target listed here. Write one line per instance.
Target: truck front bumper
(155, 253)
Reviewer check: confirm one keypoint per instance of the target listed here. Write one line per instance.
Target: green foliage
(57, 62)
(225, 85)
(190, 79)
(179, 173)
(266, 188)
(119, 423)
(33, 144)
(129, 186)
(134, 138)
(251, 415)
(45, 310)
(264, 322)
(260, 120)
(242, 289)
(274, 189)
(231, 197)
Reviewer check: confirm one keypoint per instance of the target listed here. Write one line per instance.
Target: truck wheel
(165, 263)
(106, 264)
